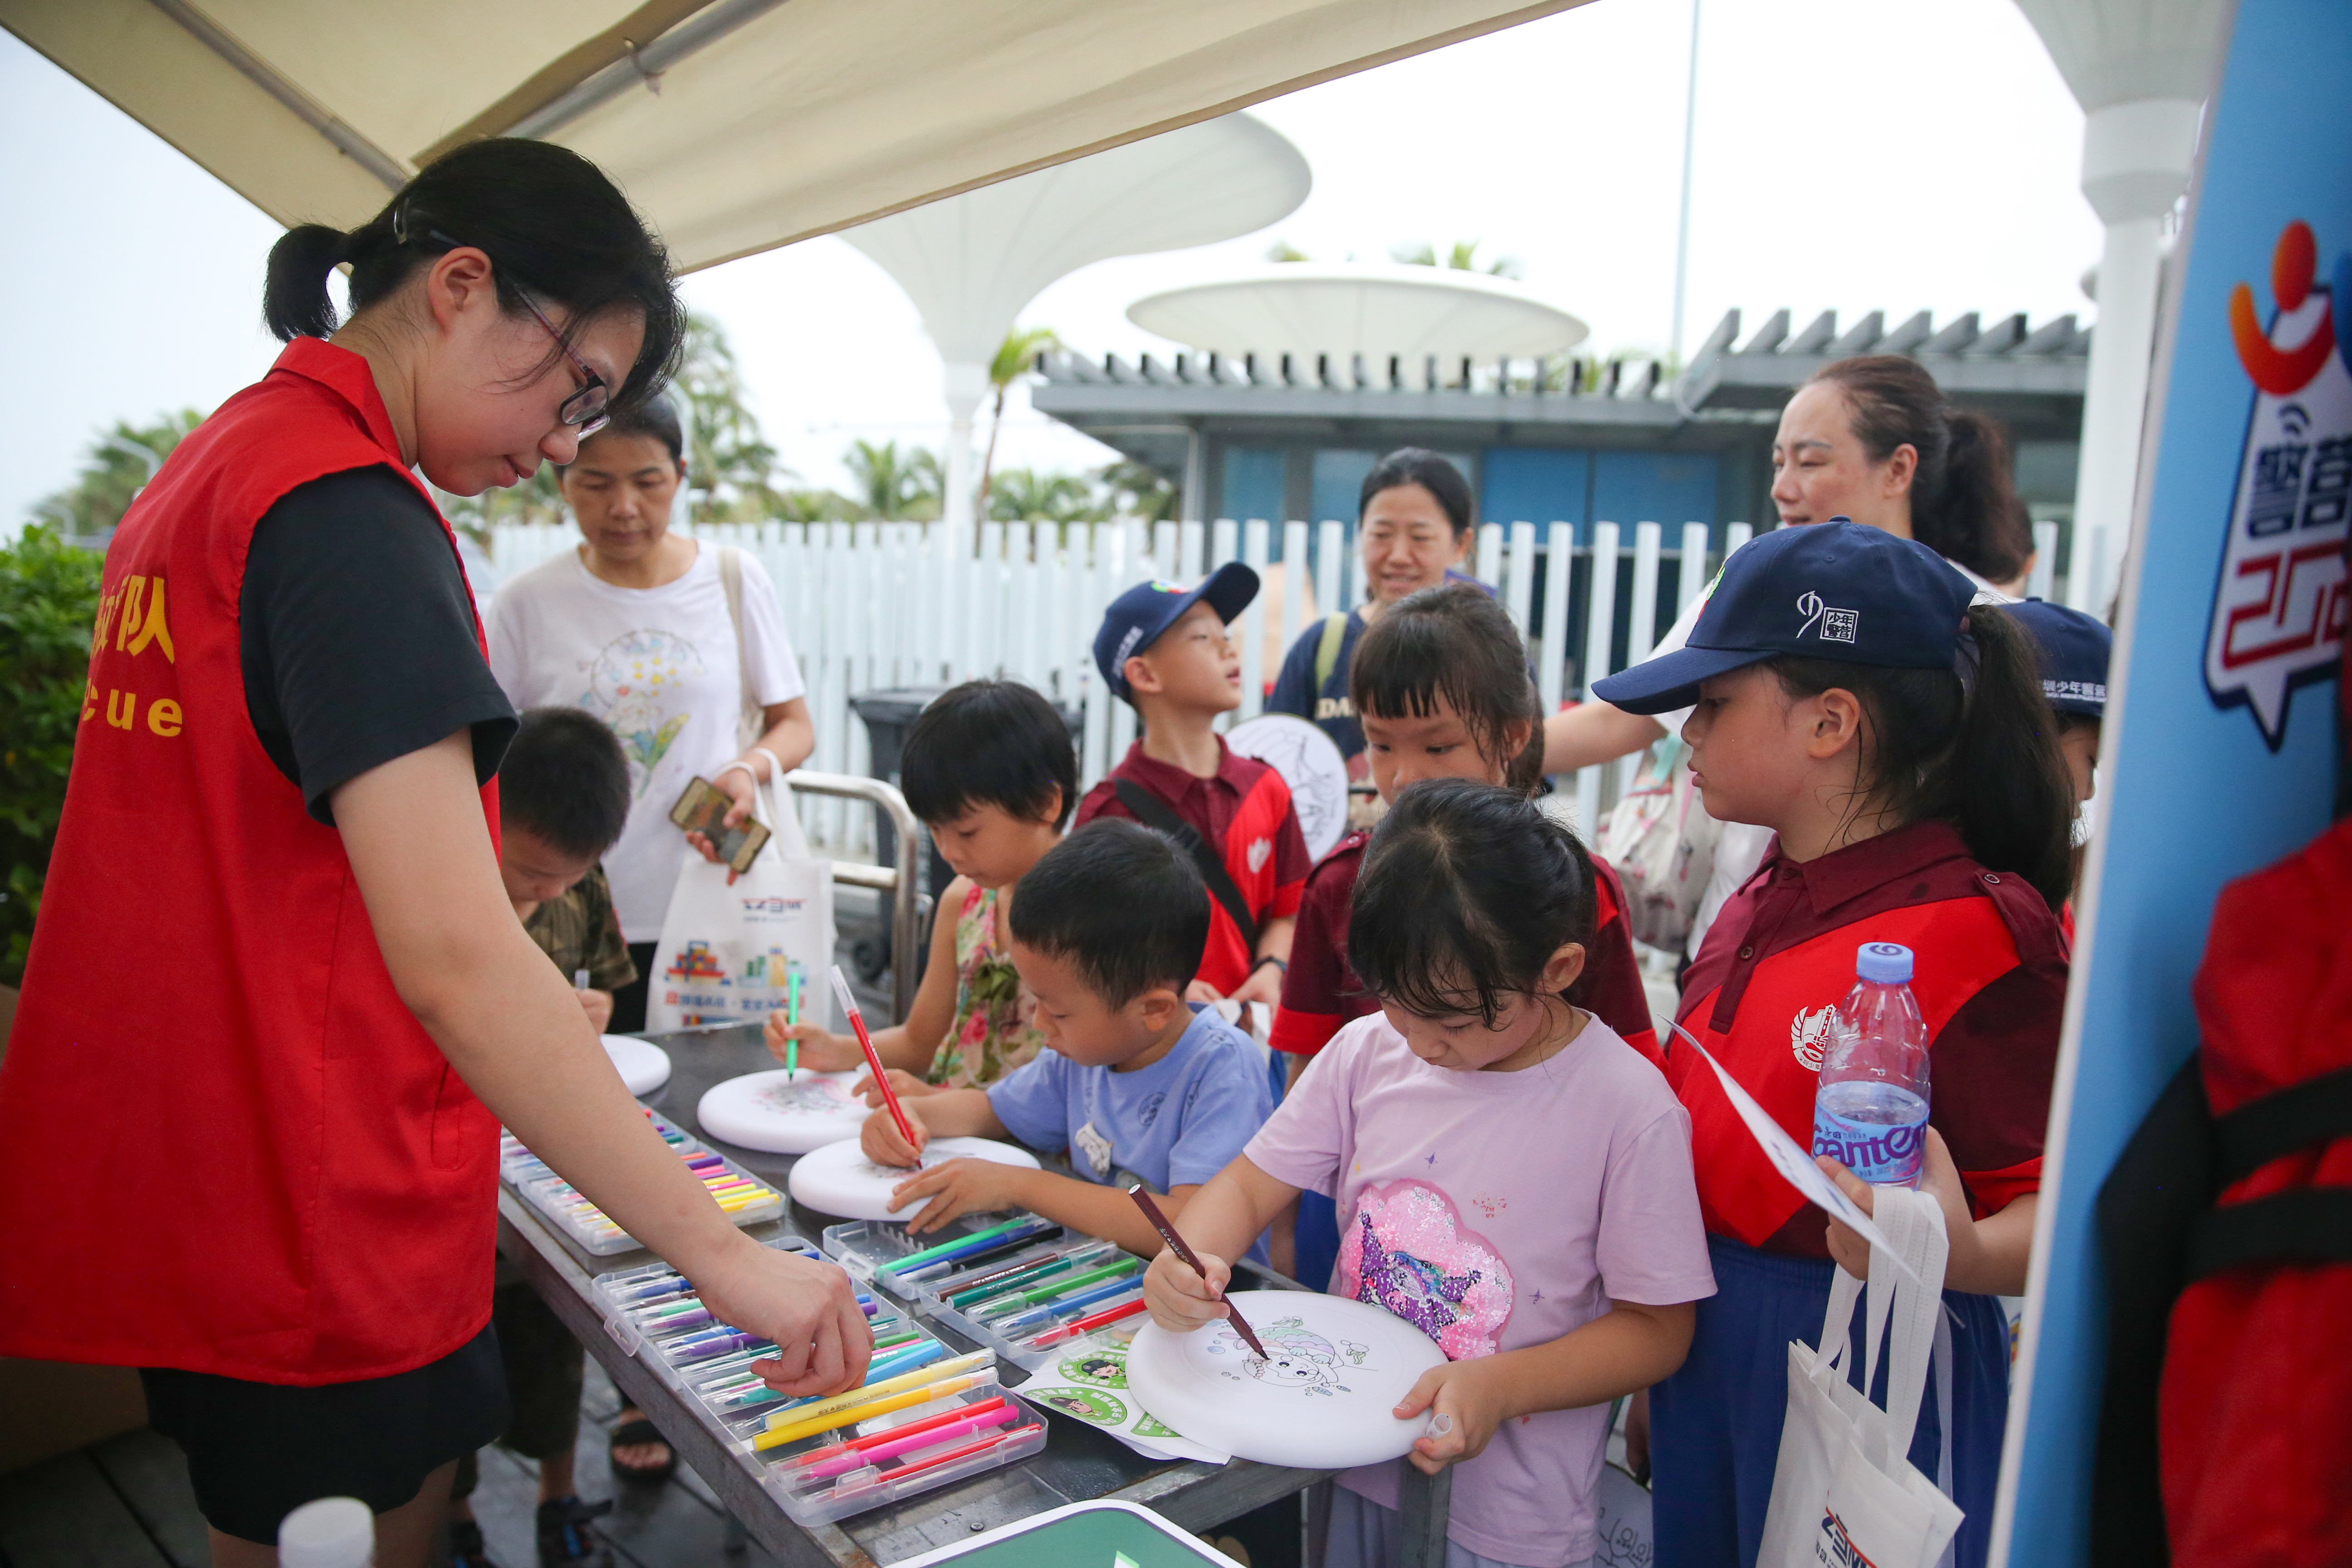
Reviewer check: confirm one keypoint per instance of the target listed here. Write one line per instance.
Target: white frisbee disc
(838, 1179)
(784, 1114)
(1322, 1403)
(643, 1067)
(1310, 765)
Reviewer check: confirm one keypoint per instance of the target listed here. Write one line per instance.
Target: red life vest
(225, 1144)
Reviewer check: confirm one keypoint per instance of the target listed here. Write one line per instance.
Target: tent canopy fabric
(736, 125)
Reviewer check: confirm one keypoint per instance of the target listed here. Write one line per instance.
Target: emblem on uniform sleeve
(1809, 1036)
(2279, 604)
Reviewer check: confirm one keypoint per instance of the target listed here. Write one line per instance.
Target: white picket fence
(872, 605)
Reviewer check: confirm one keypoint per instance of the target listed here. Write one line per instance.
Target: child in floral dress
(989, 768)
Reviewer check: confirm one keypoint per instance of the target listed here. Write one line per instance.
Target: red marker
(1176, 1245)
(1088, 1325)
(873, 1058)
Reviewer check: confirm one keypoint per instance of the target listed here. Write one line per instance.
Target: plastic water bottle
(1871, 1113)
(332, 1532)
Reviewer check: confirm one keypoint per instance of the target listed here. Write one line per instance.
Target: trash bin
(887, 715)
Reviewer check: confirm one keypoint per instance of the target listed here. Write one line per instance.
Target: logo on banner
(2279, 604)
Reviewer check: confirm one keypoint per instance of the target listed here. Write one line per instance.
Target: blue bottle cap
(1883, 963)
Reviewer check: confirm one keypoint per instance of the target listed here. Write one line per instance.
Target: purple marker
(703, 1349)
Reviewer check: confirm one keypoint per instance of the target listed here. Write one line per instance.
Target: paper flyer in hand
(1792, 1162)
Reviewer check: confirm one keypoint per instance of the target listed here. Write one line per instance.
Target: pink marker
(858, 1459)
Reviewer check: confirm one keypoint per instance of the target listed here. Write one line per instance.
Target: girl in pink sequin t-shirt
(1510, 1176)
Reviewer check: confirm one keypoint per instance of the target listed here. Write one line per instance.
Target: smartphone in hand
(703, 809)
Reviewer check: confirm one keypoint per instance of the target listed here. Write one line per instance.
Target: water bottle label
(1883, 1155)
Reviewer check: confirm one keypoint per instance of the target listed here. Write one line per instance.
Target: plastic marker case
(880, 1249)
(746, 1199)
(656, 1314)
(1023, 1305)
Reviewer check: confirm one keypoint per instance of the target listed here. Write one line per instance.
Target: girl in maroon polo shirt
(1851, 696)
(1441, 685)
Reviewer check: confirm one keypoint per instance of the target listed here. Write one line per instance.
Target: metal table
(1077, 1464)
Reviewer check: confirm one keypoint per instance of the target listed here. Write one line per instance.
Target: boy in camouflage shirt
(564, 795)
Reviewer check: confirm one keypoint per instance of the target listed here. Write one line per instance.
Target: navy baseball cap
(1828, 590)
(1137, 617)
(2074, 649)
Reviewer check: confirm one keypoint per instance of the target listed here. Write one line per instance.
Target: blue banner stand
(2219, 751)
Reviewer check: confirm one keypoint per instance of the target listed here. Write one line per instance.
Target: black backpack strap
(1153, 812)
(2309, 1225)
(2316, 1112)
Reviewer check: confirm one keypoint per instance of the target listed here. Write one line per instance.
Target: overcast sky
(1851, 154)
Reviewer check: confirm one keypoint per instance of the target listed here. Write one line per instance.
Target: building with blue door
(1288, 436)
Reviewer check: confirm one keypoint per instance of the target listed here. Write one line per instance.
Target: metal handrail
(899, 881)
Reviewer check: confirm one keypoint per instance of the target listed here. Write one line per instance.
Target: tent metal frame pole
(642, 64)
(346, 140)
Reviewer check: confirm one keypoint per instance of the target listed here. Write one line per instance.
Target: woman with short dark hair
(1413, 521)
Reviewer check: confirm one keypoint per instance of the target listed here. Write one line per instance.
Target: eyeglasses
(587, 408)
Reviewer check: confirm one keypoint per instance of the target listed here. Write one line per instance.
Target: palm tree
(1024, 495)
(1460, 256)
(893, 485)
(1014, 356)
(1137, 489)
(122, 461)
(731, 467)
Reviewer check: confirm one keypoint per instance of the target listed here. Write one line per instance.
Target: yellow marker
(917, 1378)
(797, 1430)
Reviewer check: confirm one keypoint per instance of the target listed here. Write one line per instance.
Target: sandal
(635, 1432)
(565, 1538)
(466, 1549)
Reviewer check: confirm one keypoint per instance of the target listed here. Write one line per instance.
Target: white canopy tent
(969, 262)
(1374, 309)
(736, 125)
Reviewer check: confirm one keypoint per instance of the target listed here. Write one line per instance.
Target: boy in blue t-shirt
(1106, 930)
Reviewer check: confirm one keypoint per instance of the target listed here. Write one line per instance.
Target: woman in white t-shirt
(634, 626)
(1873, 440)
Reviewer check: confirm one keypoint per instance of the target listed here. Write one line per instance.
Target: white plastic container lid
(332, 1532)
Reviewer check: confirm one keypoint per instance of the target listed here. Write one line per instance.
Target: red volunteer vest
(1772, 1041)
(225, 1144)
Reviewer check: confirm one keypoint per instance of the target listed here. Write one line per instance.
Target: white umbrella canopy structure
(969, 262)
(2141, 69)
(1374, 309)
(736, 125)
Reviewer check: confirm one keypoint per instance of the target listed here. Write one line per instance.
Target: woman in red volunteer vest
(1894, 735)
(240, 1143)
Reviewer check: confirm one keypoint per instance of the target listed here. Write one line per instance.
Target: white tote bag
(1845, 1493)
(726, 954)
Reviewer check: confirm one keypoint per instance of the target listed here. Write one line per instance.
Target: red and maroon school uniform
(1990, 979)
(1243, 811)
(1320, 992)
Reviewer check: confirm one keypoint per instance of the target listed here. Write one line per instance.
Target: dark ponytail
(1454, 642)
(1466, 893)
(1964, 503)
(1981, 755)
(549, 221)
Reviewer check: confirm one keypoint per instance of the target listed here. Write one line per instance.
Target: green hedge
(48, 601)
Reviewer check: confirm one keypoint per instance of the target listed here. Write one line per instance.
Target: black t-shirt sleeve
(357, 635)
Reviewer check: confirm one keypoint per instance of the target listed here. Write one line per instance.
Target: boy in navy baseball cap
(2074, 649)
(1165, 650)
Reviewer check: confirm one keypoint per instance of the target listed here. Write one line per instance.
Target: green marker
(914, 1259)
(1064, 1287)
(792, 1020)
